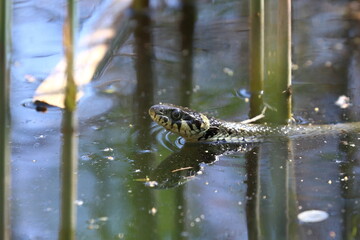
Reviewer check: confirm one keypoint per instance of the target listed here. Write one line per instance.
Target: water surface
(137, 181)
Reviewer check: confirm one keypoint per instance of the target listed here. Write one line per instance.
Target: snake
(195, 126)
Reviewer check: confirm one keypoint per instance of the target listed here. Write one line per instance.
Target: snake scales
(194, 126)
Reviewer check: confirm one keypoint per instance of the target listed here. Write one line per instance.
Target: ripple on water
(167, 139)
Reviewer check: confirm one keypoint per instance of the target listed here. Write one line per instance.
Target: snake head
(183, 121)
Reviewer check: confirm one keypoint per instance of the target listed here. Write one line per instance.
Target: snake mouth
(152, 113)
(156, 115)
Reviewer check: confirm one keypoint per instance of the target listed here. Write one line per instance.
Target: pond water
(136, 181)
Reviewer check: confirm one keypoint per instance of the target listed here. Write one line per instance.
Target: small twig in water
(258, 117)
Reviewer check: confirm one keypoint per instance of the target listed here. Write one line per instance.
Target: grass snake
(194, 126)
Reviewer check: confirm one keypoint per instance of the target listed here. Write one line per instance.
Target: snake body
(194, 126)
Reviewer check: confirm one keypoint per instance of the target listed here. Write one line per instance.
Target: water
(137, 181)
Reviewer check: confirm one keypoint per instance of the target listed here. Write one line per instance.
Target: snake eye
(176, 114)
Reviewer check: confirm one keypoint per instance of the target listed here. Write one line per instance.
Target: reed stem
(69, 128)
(256, 57)
(5, 170)
(278, 60)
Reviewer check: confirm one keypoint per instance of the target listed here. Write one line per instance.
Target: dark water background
(199, 59)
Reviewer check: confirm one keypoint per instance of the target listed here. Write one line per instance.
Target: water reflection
(234, 198)
(187, 27)
(349, 170)
(184, 165)
(143, 199)
(252, 211)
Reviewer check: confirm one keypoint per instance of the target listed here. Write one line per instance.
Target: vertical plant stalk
(284, 56)
(256, 56)
(69, 45)
(256, 39)
(280, 194)
(69, 128)
(5, 170)
(278, 60)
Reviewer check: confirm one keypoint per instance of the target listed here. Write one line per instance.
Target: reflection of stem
(143, 198)
(68, 177)
(252, 195)
(292, 201)
(69, 126)
(348, 170)
(187, 27)
(144, 75)
(4, 121)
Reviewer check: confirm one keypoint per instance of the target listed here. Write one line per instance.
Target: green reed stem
(256, 39)
(256, 56)
(284, 55)
(278, 60)
(5, 170)
(69, 45)
(69, 128)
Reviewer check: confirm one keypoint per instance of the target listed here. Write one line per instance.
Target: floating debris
(228, 71)
(108, 149)
(181, 169)
(151, 183)
(79, 202)
(308, 63)
(95, 223)
(311, 216)
(343, 102)
(328, 64)
(332, 234)
(103, 219)
(86, 157)
(153, 211)
(339, 46)
(30, 78)
(345, 179)
(294, 67)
